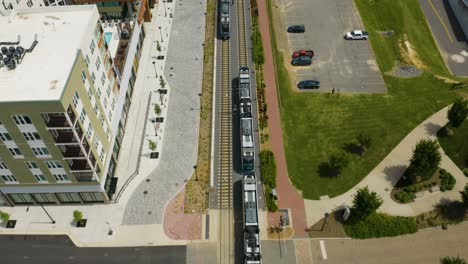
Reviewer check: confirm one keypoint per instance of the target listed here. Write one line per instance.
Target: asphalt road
(61, 250)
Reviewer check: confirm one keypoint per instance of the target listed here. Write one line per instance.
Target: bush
(162, 82)
(270, 200)
(458, 112)
(268, 168)
(77, 215)
(364, 140)
(152, 145)
(452, 260)
(4, 216)
(339, 160)
(404, 197)
(157, 109)
(447, 181)
(380, 225)
(465, 171)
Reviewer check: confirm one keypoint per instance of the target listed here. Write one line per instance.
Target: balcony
(84, 176)
(71, 115)
(65, 136)
(79, 165)
(73, 152)
(56, 120)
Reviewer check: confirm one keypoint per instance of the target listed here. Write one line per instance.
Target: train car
(248, 151)
(244, 92)
(251, 227)
(224, 18)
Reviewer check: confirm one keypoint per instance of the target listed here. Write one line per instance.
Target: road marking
(441, 21)
(323, 250)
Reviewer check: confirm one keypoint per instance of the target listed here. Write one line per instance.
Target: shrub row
(380, 225)
(268, 172)
(447, 181)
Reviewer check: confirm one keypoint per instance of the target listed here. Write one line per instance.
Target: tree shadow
(393, 173)
(432, 128)
(326, 171)
(353, 148)
(451, 210)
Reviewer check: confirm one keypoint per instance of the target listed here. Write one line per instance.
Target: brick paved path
(288, 197)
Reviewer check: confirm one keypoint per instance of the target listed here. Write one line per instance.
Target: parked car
(299, 53)
(296, 29)
(308, 84)
(356, 35)
(301, 61)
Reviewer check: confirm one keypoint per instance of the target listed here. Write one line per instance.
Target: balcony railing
(80, 165)
(84, 176)
(55, 120)
(73, 152)
(65, 137)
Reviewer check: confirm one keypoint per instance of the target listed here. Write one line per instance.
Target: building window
(83, 116)
(96, 109)
(103, 80)
(83, 76)
(76, 98)
(98, 63)
(15, 152)
(89, 131)
(40, 178)
(40, 151)
(31, 165)
(101, 155)
(69, 197)
(90, 94)
(87, 60)
(98, 93)
(113, 104)
(3, 166)
(54, 164)
(22, 119)
(93, 76)
(96, 142)
(29, 3)
(30, 136)
(42, 198)
(92, 197)
(61, 178)
(5, 136)
(92, 46)
(110, 116)
(21, 198)
(8, 178)
(101, 118)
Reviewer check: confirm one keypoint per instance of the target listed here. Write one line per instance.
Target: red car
(299, 53)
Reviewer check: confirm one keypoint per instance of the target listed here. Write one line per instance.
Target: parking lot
(347, 66)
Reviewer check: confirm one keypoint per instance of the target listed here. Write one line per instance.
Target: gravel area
(406, 71)
(183, 73)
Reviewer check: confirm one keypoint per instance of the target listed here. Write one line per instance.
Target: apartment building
(21, 4)
(63, 105)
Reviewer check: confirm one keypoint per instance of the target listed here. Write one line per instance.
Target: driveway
(448, 35)
(349, 66)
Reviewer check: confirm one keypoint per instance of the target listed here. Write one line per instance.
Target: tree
(157, 109)
(77, 215)
(364, 140)
(426, 159)
(464, 195)
(162, 82)
(338, 160)
(158, 46)
(152, 145)
(452, 260)
(458, 112)
(366, 202)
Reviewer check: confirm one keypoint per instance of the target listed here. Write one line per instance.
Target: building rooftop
(43, 72)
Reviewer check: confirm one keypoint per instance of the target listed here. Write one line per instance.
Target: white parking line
(323, 250)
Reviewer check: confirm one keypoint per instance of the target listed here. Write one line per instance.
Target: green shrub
(452, 260)
(4, 216)
(447, 181)
(465, 171)
(268, 168)
(77, 215)
(404, 197)
(426, 159)
(380, 225)
(270, 200)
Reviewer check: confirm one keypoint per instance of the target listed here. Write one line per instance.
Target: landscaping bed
(381, 225)
(268, 172)
(456, 145)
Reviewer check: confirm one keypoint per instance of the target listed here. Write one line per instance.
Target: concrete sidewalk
(383, 177)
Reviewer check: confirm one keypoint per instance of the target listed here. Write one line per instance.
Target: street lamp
(154, 66)
(165, 11)
(196, 174)
(325, 220)
(160, 32)
(51, 219)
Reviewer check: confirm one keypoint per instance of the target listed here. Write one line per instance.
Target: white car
(356, 35)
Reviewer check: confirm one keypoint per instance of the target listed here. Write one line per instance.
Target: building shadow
(454, 24)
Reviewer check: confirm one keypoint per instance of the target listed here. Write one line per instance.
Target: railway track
(225, 158)
(241, 37)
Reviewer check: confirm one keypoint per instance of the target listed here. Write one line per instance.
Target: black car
(308, 84)
(296, 29)
(301, 61)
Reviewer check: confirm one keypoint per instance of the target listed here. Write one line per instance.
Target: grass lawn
(315, 125)
(456, 146)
